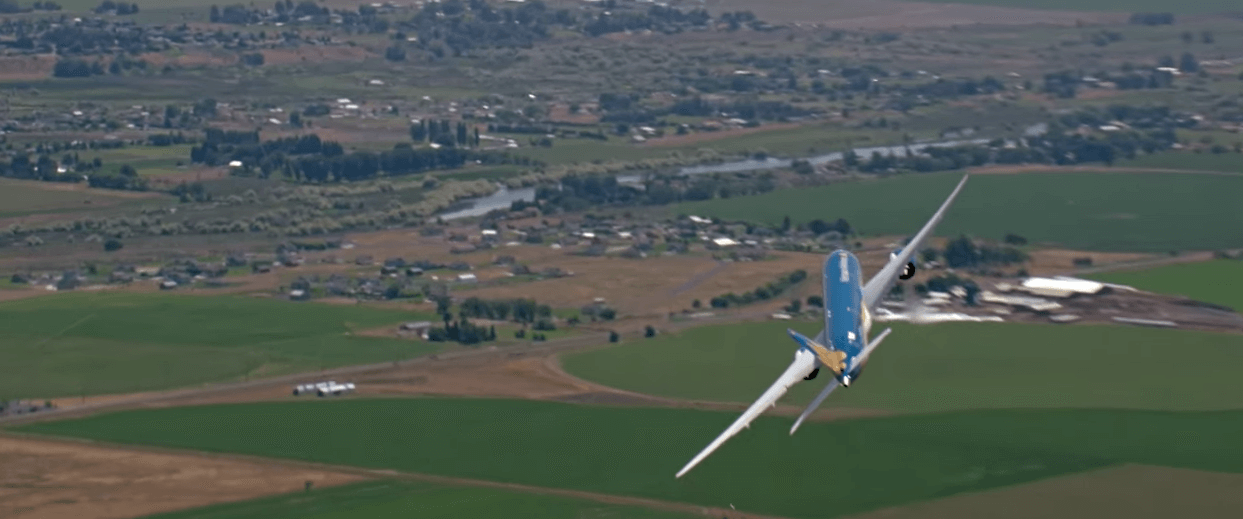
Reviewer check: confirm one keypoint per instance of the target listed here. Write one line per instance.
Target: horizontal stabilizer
(833, 359)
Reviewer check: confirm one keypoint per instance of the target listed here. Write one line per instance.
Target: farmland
(398, 499)
(96, 343)
(1212, 282)
(1126, 6)
(949, 363)
(1084, 211)
(20, 197)
(890, 461)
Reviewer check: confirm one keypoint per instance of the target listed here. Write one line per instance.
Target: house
(721, 243)
(414, 272)
(419, 328)
(467, 278)
(168, 285)
(299, 295)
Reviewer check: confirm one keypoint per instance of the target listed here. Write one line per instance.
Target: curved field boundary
(393, 474)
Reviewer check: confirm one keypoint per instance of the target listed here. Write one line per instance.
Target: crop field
(147, 160)
(100, 343)
(1128, 6)
(1212, 282)
(949, 363)
(1224, 162)
(1136, 491)
(1081, 210)
(882, 462)
(20, 197)
(401, 499)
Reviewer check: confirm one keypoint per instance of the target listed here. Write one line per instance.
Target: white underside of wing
(804, 363)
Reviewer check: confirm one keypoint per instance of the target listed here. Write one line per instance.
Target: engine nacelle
(908, 271)
(813, 374)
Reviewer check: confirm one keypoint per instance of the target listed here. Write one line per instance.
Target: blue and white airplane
(842, 346)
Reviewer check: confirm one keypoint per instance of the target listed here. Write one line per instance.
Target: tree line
(445, 133)
(310, 159)
(763, 293)
(579, 192)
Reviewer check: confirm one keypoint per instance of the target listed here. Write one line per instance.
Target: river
(480, 206)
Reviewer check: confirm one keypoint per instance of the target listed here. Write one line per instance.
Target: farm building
(419, 328)
(1034, 304)
(467, 278)
(1061, 287)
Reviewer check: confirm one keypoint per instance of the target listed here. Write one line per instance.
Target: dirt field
(1131, 491)
(26, 68)
(42, 479)
(894, 14)
(700, 137)
(313, 55)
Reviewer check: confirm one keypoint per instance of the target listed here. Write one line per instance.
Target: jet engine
(908, 271)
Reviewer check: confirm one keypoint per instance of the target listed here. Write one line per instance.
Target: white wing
(884, 280)
(804, 363)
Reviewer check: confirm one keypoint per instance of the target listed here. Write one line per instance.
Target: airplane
(842, 346)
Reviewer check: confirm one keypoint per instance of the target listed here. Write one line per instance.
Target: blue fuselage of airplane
(843, 317)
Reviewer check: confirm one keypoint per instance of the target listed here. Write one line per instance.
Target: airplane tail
(834, 360)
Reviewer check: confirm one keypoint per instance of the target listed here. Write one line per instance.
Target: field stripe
(411, 476)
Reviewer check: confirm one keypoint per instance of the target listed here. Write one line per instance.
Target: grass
(1211, 282)
(1225, 162)
(1133, 211)
(940, 367)
(399, 499)
(97, 343)
(857, 465)
(20, 198)
(1128, 6)
(147, 160)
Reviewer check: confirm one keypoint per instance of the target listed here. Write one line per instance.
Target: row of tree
(445, 133)
(579, 192)
(462, 331)
(517, 310)
(764, 293)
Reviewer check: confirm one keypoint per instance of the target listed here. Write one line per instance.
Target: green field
(857, 465)
(941, 367)
(1087, 211)
(1224, 162)
(18, 198)
(147, 160)
(1212, 282)
(1127, 6)
(95, 343)
(404, 499)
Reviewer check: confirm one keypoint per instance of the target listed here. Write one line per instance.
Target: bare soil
(894, 14)
(701, 137)
(26, 68)
(42, 479)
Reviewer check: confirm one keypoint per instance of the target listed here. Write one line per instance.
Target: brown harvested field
(316, 54)
(1131, 491)
(170, 180)
(691, 139)
(41, 479)
(219, 58)
(894, 14)
(561, 113)
(26, 68)
(1059, 261)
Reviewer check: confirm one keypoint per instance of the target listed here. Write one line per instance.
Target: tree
(113, 245)
(696, 304)
(816, 301)
(795, 306)
(648, 331)
(1187, 63)
(961, 252)
(785, 223)
(613, 336)
(395, 53)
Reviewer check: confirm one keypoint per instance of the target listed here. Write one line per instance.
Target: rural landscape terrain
(546, 250)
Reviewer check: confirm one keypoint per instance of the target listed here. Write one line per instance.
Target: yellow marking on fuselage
(834, 360)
